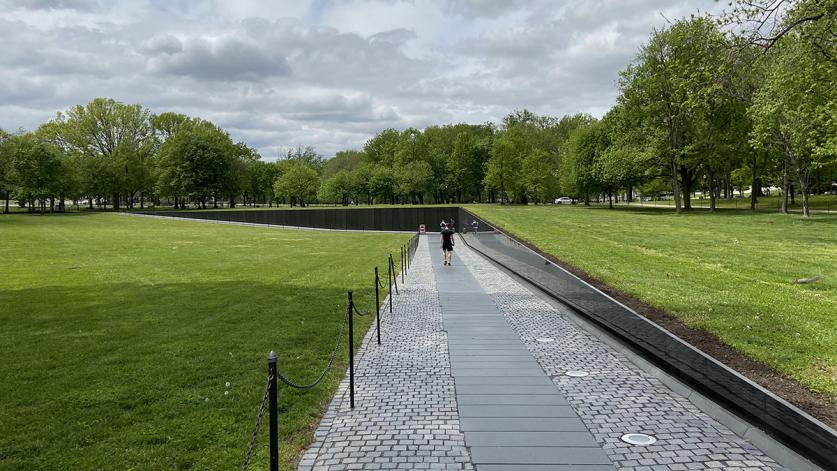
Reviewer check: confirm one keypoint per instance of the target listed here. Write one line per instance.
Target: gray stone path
(461, 399)
(512, 416)
(405, 414)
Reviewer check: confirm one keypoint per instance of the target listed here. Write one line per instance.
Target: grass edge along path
(588, 242)
(141, 343)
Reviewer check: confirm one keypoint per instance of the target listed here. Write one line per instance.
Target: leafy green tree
(414, 179)
(6, 181)
(381, 149)
(504, 167)
(37, 168)
(382, 184)
(306, 156)
(198, 163)
(666, 86)
(118, 134)
(261, 176)
(343, 160)
(339, 188)
(299, 183)
(539, 176)
(794, 109)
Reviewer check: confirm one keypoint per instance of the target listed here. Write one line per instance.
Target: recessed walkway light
(639, 439)
(545, 339)
(577, 373)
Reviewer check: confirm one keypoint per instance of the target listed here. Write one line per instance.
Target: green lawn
(730, 273)
(825, 203)
(119, 333)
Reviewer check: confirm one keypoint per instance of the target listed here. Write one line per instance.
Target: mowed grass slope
(118, 335)
(730, 273)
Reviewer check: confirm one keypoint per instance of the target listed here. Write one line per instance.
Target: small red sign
(421, 228)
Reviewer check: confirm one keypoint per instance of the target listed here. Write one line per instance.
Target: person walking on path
(447, 243)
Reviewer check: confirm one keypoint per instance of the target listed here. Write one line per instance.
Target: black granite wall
(369, 219)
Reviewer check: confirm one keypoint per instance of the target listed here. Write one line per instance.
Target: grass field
(118, 335)
(729, 273)
(821, 203)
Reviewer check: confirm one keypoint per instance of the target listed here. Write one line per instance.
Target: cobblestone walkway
(407, 417)
(405, 414)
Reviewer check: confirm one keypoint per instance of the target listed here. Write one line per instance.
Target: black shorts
(447, 246)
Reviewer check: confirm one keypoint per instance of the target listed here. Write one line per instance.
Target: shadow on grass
(135, 376)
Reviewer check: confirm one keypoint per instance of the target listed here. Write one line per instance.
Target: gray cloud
(82, 5)
(330, 74)
(220, 59)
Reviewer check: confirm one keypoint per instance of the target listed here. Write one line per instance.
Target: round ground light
(546, 340)
(576, 373)
(640, 439)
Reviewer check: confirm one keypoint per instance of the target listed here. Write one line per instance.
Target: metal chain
(305, 387)
(259, 418)
(394, 275)
(358, 312)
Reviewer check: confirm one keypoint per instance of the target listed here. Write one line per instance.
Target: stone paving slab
(539, 424)
(511, 399)
(528, 439)
(552, 455)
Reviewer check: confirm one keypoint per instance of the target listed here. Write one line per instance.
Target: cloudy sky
(327, 73)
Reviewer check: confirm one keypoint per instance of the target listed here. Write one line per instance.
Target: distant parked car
(564, 200)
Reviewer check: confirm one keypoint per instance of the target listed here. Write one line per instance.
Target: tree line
(699, 109)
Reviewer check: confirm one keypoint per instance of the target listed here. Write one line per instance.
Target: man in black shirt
(447, 243)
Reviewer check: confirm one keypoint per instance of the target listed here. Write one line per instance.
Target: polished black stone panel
(761, 408)
(368, 219)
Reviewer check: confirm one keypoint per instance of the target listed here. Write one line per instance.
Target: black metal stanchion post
(394, 275)
(274, 415)
(402, 264)
(351, 353)
(377, 306)
(389, 284)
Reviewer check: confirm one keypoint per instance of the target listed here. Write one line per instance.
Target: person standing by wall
(446, 239)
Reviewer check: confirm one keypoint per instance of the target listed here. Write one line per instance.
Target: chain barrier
(251, 446)
(361, 314)
(305, 387)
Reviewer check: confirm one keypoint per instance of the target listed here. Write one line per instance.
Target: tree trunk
(804, 183)
(609, 198)
(142, 200)
(687, 187)
(785, 185)
(756, 185)
(791, 190)
(711, 177)
(116, 201)
(6, 210)
(675, 186)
